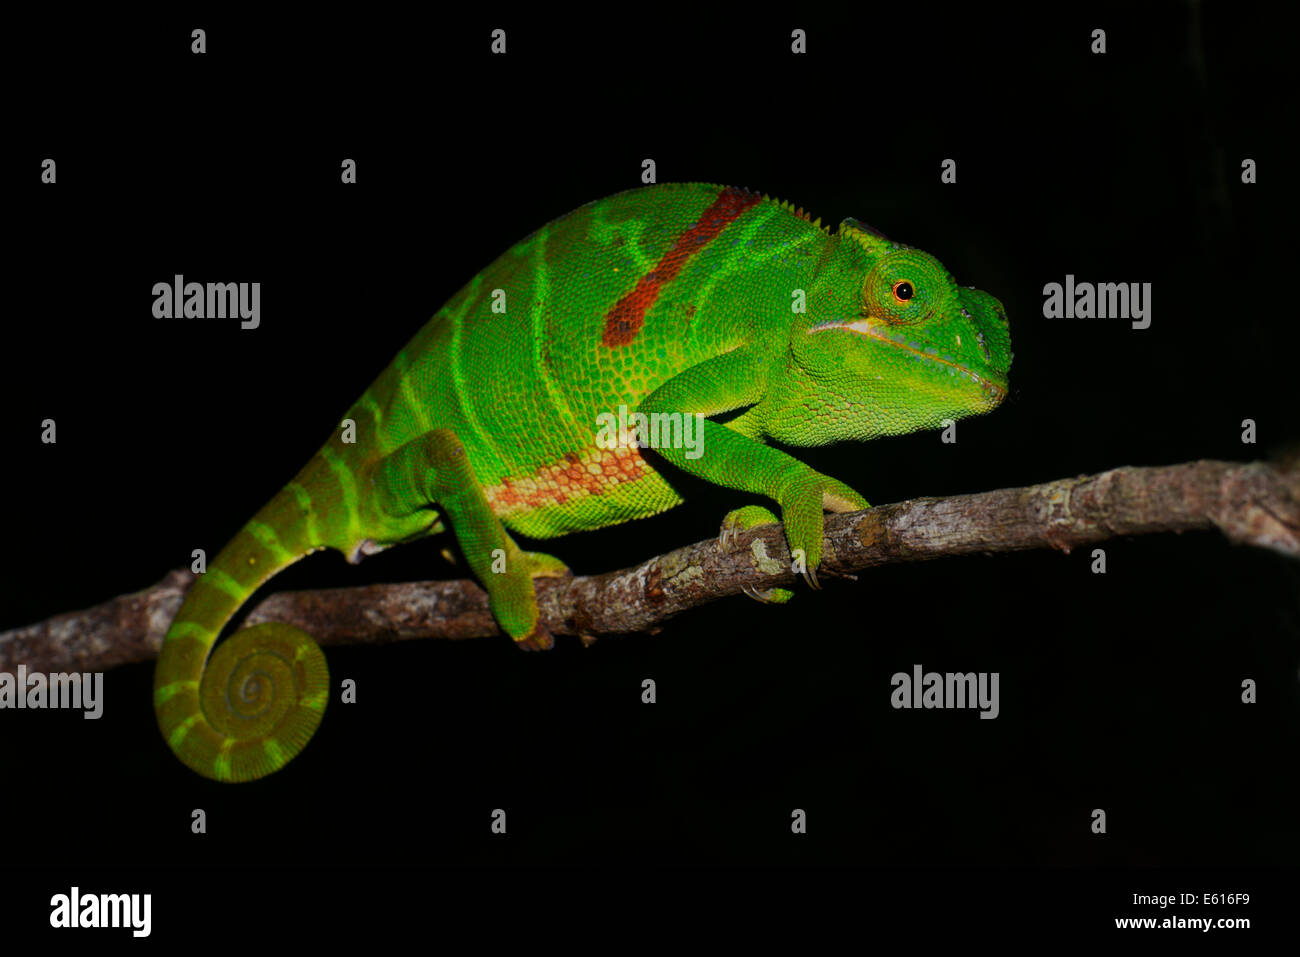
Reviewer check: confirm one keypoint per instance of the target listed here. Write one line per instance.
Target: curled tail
(255, 703)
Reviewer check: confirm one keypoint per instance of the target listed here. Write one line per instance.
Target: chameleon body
(671, 299)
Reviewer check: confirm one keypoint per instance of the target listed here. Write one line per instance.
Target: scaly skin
(671, 299)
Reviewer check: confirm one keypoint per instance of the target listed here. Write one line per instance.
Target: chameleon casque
(675, 298)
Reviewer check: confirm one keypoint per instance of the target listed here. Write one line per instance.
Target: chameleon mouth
(996, 389)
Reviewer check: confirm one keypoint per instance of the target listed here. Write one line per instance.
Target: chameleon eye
(903, 290)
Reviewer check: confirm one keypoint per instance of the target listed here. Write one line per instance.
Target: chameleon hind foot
(540, 639)
(434, 469)
(541, 565)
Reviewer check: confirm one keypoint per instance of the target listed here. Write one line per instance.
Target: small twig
(1252, 504)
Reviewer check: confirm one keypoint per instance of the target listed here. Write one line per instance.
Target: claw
(741, 520)
(768, 596)
(810, 576)
(727, 536)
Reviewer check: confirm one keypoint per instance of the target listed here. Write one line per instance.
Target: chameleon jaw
(876, 330)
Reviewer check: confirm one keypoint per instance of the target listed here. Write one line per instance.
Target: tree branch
(1252, 504)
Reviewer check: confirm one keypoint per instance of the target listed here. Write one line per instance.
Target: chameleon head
(891, 344)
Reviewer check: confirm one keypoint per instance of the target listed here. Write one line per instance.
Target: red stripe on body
(625, 319)
(595, 472)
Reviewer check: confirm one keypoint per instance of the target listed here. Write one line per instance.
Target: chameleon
(673, 301)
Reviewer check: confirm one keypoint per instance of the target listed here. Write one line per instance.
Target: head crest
(869, 238)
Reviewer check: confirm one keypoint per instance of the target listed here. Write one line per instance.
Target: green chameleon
(682, 299)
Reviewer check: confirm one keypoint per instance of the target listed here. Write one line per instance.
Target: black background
(1119, 691)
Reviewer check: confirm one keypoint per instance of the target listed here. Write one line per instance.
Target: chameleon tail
(247, 710)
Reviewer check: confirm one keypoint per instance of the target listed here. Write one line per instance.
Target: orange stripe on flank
(574, 476)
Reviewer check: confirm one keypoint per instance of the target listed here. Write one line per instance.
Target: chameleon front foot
(802, 504)
(742, 520)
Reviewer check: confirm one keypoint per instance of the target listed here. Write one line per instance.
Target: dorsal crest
(796, 210)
